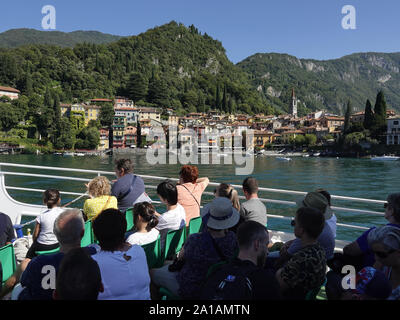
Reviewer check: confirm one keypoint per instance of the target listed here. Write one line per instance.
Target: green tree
(137, 87)
(347, 118)
(106, 118)
(379, 126)
(368, 116)
(300, 140)
(8, 118)
(21, 106)
(138, 135)
(224, 101)
(66, 137)
(158, 92)
(217, 102)
(88, 138)
(189, 99)
(310, 139)
(34, 104)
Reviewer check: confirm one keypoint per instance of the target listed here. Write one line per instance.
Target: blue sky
(304, 28)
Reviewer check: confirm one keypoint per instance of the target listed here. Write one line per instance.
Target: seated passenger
(78, 277)
(145, 221)
(43, 237)
(332, 220)
(253, 209)
(129, 187)
(306, 269)
(69, 229)
(99, 190)
(261, 284)
(326, 239)
(370, 284)
(385, 244)
(6, 230)
(360, 249)
(123, 267)
(200, 251)
(174, 217)
(190, 188)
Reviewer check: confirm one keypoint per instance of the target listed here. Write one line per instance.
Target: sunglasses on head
(384, 255)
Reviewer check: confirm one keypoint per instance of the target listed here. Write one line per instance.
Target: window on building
(396, 123)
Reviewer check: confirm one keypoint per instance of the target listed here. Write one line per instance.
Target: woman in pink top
(190, 188)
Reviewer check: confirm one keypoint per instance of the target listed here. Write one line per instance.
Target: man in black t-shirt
(247, 270)
(6, 230)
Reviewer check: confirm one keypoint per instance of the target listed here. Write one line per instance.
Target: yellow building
(149, 113)
(104, 143)
(261, 138)
(287, 136)
(92, 112)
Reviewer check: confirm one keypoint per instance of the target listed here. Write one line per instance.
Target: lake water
(361, 178)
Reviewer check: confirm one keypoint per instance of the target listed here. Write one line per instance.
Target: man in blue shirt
(129, 187)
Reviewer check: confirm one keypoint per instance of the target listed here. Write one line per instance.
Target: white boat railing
(34, 212)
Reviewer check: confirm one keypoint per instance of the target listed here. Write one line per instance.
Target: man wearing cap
(201, 251)
(326, 239)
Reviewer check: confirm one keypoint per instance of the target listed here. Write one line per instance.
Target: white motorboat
(284, 158)
(385, 158)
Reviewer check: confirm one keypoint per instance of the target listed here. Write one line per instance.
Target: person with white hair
(69, 228)
(385, 244)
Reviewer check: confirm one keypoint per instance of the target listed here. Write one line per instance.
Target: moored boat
(385, 158)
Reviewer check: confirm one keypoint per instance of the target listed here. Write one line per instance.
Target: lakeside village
(317, 133)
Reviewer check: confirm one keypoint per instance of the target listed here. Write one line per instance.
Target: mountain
(170, 66)
(325, 84)
(17, 37)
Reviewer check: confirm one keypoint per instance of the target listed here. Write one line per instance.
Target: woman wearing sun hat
(202, 250)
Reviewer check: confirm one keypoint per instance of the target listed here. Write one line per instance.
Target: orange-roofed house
(9, 92)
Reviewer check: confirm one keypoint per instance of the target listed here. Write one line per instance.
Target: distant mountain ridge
(194, 70)
(326, 84)
(18, 37)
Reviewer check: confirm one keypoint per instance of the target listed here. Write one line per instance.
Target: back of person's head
(125, 164)
(146, 211)
(250, 185)
(325, 193)
(99, 186)
(311, 220)
(168, 191)
(227, 191)
(78, 277)
(388, 236)
(189, 173)
(69, 227)
(394, 203)
(250, 231)
(109, 227)
(51, 197)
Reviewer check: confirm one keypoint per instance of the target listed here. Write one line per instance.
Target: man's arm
(352, 249)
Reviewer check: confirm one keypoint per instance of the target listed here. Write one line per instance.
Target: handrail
(98, 172)
(174, 179)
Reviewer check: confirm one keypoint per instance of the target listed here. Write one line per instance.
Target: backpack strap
(191, 194)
